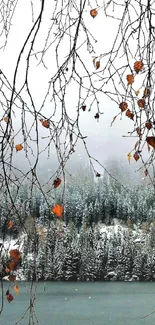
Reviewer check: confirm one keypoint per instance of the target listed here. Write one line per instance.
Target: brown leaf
(141, 103)
(7, 270)
(145, 172)
(148, 147)
(19, 147)
(148, 125)
(146, 92)
(56, 182)
(139, 131)
(136, 156)
(9, 297)
(57, 210)
(129, 114)
(138, 66)
(12, 266)
(15, 254)
(151, 141)
(93, 13)
(123, 106)
(130, 79)
(83, 107)
(6, 119)
(46, 124)
(10, 224)
(97, 65)
(12, 278)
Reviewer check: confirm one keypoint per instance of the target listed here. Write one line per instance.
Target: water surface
(97, 303)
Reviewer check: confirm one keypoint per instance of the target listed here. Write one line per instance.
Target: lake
(89, 303)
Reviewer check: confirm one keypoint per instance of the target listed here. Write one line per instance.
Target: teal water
(109, 303)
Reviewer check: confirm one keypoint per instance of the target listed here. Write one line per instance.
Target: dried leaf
(146, 172)
(148, 125)
(56, 182)
(10, 224)
(46, 124)
(139, 131)
(123, 106)
(136, 156)
(129, 157)
(137, 92)
(148, 147)
(96, 116)
(146, 92)
(138, 66)
(15, 254)
(130, 79)
(19, 147)
(141, 103)
(151, 141)
(57, 210)
(12, 266)
(9, 297)
(7, 270)
(93, 13)
(129, 114)
(16, 289)
(12, 278)
(6, 119)
(83, 107)
(97, 65)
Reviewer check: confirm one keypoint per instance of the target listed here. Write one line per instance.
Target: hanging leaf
(10, 224)
(145, 172)
(97, 116)
(7, 270)
(56, 182)
(130, 79)
(137, 92)
(129, 157)
(83, 107)
(123, 106)
(12, 278)
(12, 266)
(139, 132)
(141, 103)
(57, 210)
(16, 289)
(138, 66)
(129, 114)
(6, 119)
(148, 125)
(151, 141)
(46, 124)
(15, 254)
(136, 156)
(93, 13)
(9, 297)
(97, 65)
(146, 92)
(98, 174)
(19, 147)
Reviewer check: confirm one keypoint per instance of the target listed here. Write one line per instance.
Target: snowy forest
(107, 233)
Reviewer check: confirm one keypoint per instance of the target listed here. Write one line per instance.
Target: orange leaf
(129, 157)
(12, 278)
(6, 119)
(138, 66)
(15, 254)
(12, 266)
(123, 106)
(10, 224)
(46, 124)
(93, 13)
(57, 210)
(129, 114)
(16, 289)
(7, 270)
(130, 79)
(141, 103)
(151, 141)
(57, 182)
(136, 156)
(19, 147)
(9, 297)
(97, 65)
